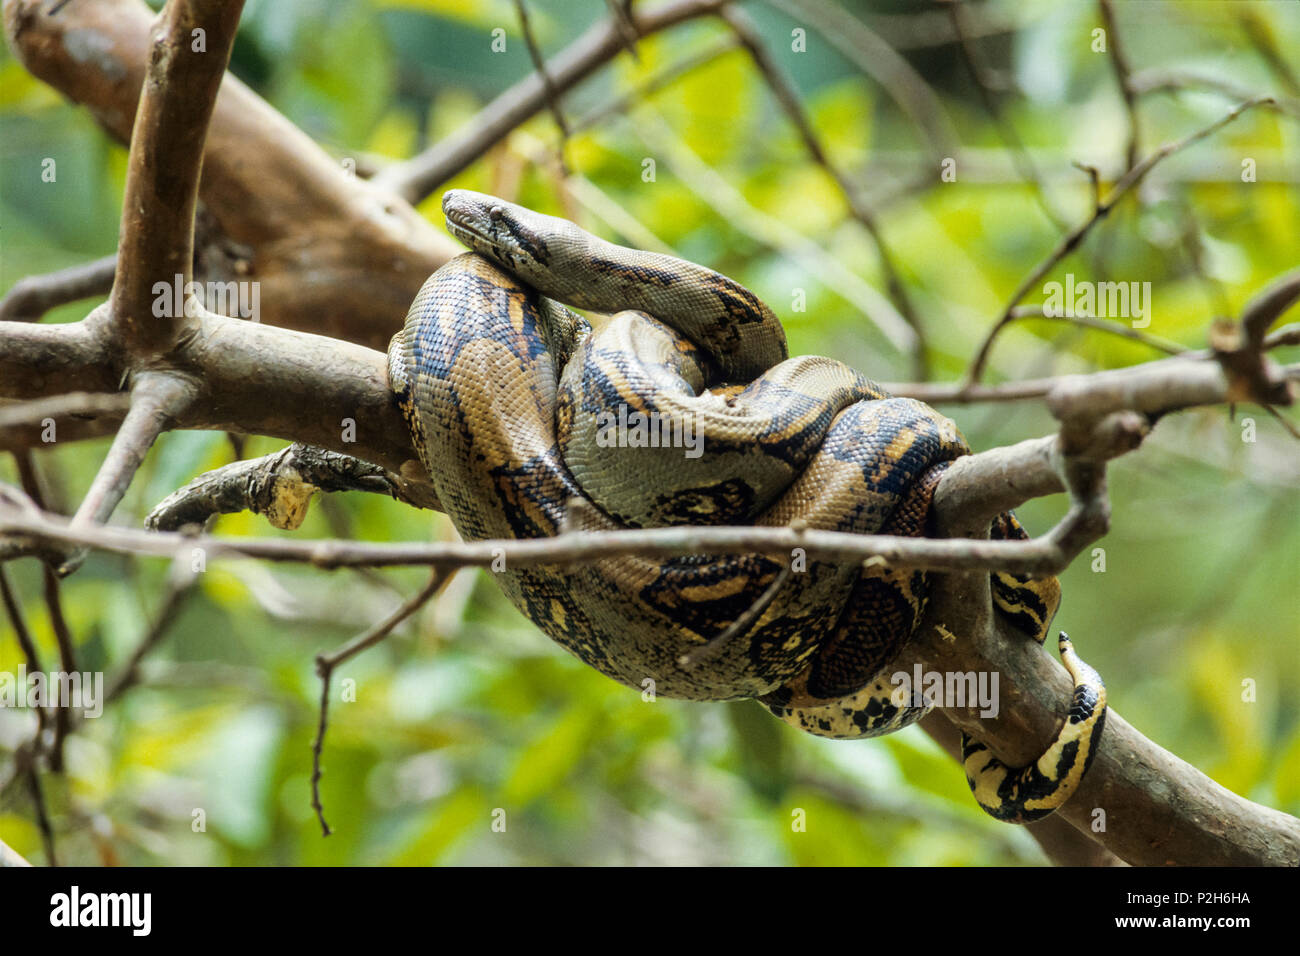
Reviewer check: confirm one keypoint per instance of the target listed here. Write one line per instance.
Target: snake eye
(495, 213)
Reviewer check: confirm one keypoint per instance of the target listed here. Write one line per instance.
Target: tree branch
(33, 296)
(278, 486)
(419, 176)
(326, 664)
(268, 185)
(162, 179)
(788, 99)
(880, 60)
(157, 400)
(202, 370)
(1076, 236)
(979, 72)
(1124, 77)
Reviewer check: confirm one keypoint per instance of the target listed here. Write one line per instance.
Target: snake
(682, 407)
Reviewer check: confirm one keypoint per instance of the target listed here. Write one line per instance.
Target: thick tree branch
(1156, 806)
(269, 186)
(1143, 791)
(1156, 809)
(249, 378)
(189, 49)
(38, 360)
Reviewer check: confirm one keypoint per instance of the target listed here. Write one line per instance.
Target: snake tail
(1026, 794)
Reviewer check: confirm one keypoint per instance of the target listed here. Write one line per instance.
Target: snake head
(510, 235)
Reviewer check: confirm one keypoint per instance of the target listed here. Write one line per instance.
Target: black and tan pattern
(506, 392)
(1025, 794)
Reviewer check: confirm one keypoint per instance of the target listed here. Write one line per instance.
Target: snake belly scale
(684, 408)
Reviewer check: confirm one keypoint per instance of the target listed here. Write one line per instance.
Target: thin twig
(180, 586)
(1123, 76)
(1261, 37)
(31, 484)
(1268, 306)
(1077, 401)
(788, 99)
(1024, 163)
(67, 657)
(719, 193)
(620, 13)
(876, 58)
(1076, 236)
(1285, 422)
(37, 794)
(1287, 335)
(326, 663)
(1094, 177)
(60, 406)
(1168, 346)
(418, 177)
(548, 84)
(157, 398)
(31, 655)
(1037, 556)
(669, 75)
(1164, 80)
(738, 627)
(33, 296)
(1195, 250)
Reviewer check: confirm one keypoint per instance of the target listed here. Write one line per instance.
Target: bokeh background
(468, 708)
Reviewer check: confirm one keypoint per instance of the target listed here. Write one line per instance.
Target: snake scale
(683, 408)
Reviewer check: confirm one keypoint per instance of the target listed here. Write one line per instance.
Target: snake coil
(683, 408)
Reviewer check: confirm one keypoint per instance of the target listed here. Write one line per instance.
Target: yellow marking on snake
(509, 396)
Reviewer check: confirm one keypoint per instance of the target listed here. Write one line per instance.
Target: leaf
(546, 763)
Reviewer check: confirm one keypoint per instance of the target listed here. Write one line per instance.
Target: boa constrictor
(683, 408)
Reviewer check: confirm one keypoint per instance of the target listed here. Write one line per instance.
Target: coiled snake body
(684, 409)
